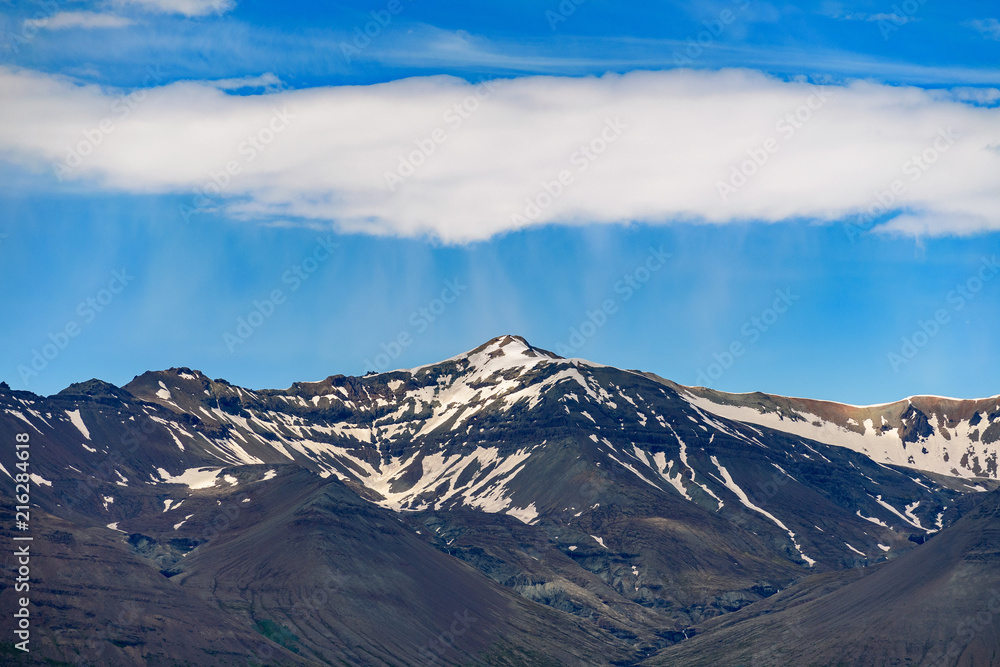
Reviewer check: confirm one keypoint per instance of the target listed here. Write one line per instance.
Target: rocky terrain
(503, 507)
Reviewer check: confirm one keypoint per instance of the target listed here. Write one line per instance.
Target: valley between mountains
(503, 507)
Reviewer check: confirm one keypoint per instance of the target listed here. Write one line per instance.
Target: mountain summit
(576, 509)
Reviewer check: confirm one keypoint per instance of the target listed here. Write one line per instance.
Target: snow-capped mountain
(944, 435)
(577, 492)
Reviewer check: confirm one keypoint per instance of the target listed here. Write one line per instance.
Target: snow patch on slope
(74, 416)
(732, 486)
(193, 478)
(880, 446)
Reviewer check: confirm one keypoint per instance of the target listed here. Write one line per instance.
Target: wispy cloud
(184, 7)
(662, 141)
(233, 48)
(432, 48)
(83, 19)
(898, 19)
(989, 28)
(268, 82)
(986, 97)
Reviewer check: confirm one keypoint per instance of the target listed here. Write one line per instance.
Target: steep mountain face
(97, 599)
(574, 509)
(944, 435)
(937, 605)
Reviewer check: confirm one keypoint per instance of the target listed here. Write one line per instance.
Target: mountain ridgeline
(503, 507)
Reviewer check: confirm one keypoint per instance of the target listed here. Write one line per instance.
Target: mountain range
(506, 506)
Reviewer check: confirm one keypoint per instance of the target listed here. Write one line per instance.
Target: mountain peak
(667, 505)
(507, 350)
(95, 388)
(511, 346)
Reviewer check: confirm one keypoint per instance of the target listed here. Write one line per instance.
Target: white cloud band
(465, 161)
(85, 20)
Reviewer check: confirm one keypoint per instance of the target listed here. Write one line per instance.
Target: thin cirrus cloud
(184, 7)
(990, 28)
(872, 18)
(82, 19)
(400, 158)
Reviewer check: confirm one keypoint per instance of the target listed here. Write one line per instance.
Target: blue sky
(641, 261)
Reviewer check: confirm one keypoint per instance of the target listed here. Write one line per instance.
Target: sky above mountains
(800, 199)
